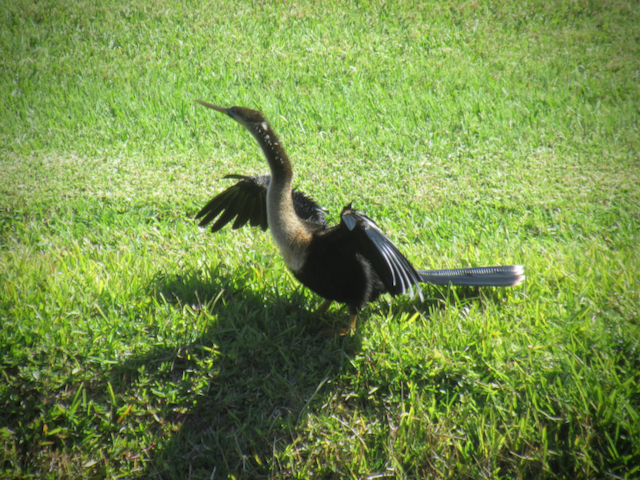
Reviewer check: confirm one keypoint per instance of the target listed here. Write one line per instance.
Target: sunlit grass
(135, 345)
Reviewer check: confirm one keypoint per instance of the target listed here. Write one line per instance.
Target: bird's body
(350, 263)
(336, 270)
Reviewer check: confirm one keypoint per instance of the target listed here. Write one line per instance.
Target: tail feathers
(475, 277)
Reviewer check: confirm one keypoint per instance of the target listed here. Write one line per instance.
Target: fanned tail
(508, 276)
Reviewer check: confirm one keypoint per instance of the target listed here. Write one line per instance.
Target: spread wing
(395, 271)
(246, 201)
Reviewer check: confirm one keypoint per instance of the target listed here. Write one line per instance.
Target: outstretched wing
(246, 201)
(395, 271)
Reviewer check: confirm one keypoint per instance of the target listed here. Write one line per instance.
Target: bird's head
(250, 119)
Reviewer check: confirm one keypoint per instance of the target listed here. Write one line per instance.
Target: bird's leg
(333, 332)
(323, 308)
(341, 332)
(352, 323)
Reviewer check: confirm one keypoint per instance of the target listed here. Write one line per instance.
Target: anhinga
(350, 263)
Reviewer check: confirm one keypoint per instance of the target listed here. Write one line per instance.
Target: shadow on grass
(220, 395)
(226, 379)
(240, 389)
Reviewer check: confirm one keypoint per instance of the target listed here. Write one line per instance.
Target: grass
(135, 345)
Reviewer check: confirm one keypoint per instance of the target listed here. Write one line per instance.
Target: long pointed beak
(214, 107)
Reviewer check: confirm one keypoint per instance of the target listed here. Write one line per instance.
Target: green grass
(135, 345)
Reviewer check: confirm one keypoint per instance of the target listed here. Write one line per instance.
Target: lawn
(136, 345)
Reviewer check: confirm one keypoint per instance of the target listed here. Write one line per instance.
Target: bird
(350, 263)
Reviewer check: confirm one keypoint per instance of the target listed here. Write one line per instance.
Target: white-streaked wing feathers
(392, 267)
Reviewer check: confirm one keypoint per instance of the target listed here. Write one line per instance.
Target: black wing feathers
(236, 200)
(246, 201)
(245, 213)
(307, 209)
(212, 209)
(395, 271)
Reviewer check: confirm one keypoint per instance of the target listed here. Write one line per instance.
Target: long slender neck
(279, 163)
(287, 229)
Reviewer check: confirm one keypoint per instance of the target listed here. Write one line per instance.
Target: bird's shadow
(251, 375)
